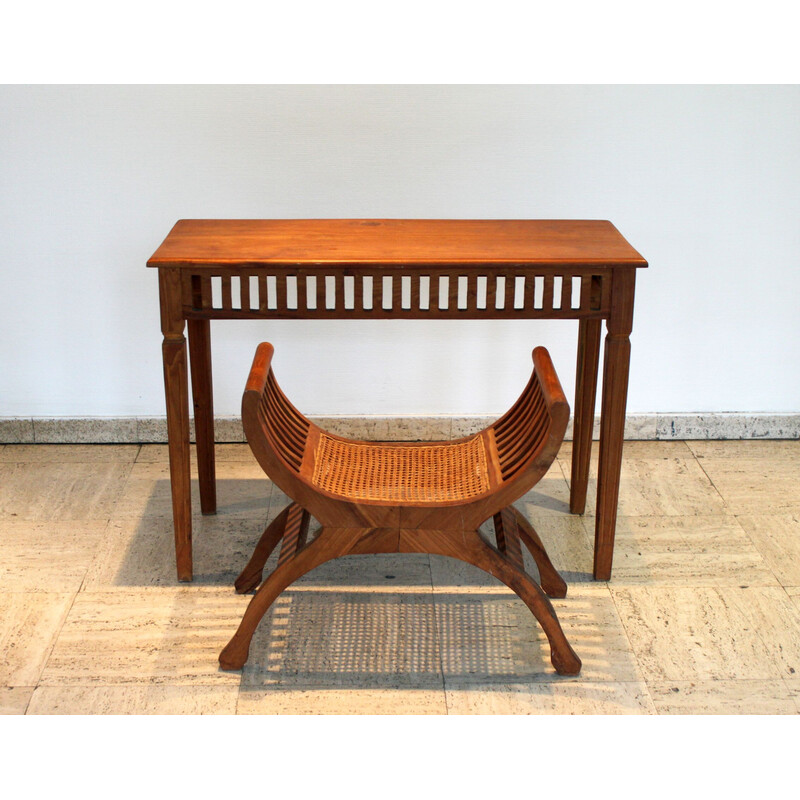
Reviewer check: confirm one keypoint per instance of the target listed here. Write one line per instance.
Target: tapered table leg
(583, 417)
(177, 399)
(202, 395)
(616, 365)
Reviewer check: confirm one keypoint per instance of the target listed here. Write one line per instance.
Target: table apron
(341, 293)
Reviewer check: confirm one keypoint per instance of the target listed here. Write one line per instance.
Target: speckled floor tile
(585, 697)
(687, 551)
(729, 633)
(14, 699)
(65, 453)
(722, 697)
(550, 495)
(756, 485)
(777, 538)
(329, 639)
(155, 635)
(63, 491)
(29, 625)
(659, 486)
(494, 638)
(47, 556)
(141, 552)
(771, 612)
(134, 699)
(243, 491)
(351, 700)
(384, 572)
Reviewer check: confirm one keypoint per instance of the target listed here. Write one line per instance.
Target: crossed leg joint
(504, 562)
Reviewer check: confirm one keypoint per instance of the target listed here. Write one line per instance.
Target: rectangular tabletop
(425, 242)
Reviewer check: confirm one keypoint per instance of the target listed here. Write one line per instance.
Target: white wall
(703, 181)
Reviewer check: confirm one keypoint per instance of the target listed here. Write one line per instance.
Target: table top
(401, 242)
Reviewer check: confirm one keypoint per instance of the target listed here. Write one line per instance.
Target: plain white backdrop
(703, 180)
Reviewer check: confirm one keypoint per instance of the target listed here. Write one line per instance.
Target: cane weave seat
(387, 497)
(430, 474)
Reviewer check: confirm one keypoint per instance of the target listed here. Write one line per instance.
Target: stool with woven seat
(398, 497)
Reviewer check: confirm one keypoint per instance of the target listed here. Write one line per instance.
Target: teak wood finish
(398, 269)
(388, 497)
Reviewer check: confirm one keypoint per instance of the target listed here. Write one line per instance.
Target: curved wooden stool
(386, 497)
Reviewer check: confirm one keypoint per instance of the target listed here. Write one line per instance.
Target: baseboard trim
(133, 430)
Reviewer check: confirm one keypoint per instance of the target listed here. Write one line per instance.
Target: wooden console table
(397, 269)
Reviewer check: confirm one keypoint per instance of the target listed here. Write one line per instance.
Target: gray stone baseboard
(132, 430)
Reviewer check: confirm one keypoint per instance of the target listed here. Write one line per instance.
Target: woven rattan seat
(387, 497)
(428, 474)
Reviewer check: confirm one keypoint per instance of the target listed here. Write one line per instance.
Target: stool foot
(565, 661)
(471, 547)
(234, 656)
(328, 544)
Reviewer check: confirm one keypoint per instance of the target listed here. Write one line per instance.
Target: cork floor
(702, 614)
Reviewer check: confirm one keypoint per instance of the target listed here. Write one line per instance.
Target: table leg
(177, 399)
(616, 365)
(583, 416)
(202, 394)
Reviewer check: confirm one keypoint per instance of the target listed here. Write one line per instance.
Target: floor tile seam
(54, 642)
(756, 628)
(95, 555)
(757, 548)
(794, 692)
(438, 636)
(640, 668)
(711, 481)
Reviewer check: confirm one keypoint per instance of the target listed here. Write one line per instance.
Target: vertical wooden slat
(452, 292)
(227, 301)
(566, 292)
(511, 287)
(377, 292)
(435, 285)
(244, 291)
(302, 292)
(280, 292)
(262, 294)
(321, 291)
(491, 291)
(472, 293)
(527, 292)
(547, 295)
(338, 291)
(416, 279)
(397, 293)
